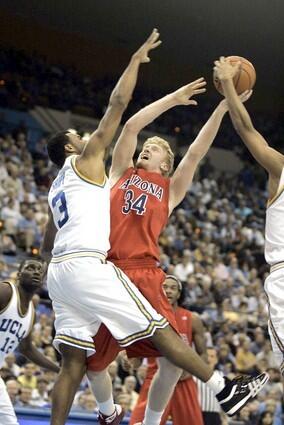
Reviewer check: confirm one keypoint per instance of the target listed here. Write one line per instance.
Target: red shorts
(183, 403)
(149, 280)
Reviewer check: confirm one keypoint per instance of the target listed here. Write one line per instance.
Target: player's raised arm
(268, 157)
(120, 98)
(126, 145)
(184, 173)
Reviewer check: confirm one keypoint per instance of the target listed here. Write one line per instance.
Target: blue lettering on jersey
(58, 181)
(59, 201)
(13, 327)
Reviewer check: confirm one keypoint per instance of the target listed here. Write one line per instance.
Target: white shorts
(274, 288)
(7, 413)
(85, 292)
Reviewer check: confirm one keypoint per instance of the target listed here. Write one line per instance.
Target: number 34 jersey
(81, 212)
(139, 213)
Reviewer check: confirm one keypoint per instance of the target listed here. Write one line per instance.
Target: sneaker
(113, 419)
(239, 391)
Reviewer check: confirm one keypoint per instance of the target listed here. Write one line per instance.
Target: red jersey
(139, 211)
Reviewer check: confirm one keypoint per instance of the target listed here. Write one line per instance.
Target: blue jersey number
(59, 201)
(138, 205)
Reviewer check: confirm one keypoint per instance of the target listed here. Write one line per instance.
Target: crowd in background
(214, 244)
(26, 81)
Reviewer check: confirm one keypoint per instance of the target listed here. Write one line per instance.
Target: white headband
(171, 276)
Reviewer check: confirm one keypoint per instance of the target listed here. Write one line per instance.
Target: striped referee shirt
(207, 399)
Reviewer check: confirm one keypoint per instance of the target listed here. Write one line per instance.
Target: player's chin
(142, 163)
(32, 285)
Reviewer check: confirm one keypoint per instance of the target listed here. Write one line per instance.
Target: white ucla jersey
(14, 326)
(274, 227)
(81, 212)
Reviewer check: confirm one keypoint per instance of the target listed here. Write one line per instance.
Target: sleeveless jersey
(184, 323)
(81, 212)
(139, 212)
(14, 326)
(274, 226)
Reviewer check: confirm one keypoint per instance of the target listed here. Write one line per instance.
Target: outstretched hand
(184, 94)
(224, 69)
(151, 43)
(243, 98)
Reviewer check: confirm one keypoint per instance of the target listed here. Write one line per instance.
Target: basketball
(243, 80)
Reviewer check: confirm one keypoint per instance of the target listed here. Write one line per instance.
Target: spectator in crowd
(129, 388)
(13, 389)
(25, 397)
(10, 363)
(39, 395)
(28, 379)
(245, 359)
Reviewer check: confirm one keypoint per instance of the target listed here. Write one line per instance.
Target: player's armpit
(91, 170)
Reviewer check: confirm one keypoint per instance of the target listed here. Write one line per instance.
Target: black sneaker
(239, 391)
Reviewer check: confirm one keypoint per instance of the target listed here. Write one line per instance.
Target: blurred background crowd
(213, 244)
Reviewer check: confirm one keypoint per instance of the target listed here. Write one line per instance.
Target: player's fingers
(154, 38)
(246, 95)
(199, 80)
(154, 45)
(154, 35)
(192, 102)
(199, 86)
(198, 91)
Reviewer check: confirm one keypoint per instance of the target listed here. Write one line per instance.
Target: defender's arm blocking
(266, 156)
(120, 97)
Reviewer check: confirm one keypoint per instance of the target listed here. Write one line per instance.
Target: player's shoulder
(183, 312)
(6, 293)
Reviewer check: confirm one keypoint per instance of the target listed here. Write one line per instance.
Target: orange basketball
(243, 80)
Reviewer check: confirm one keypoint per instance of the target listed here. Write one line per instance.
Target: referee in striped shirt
(208, 402)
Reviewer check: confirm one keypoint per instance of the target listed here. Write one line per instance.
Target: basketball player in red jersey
(184, 405)
(142, 199)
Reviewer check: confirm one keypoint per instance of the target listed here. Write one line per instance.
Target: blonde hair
(165, 145)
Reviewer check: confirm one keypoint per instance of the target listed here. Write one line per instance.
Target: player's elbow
(195, 155)
(118, 101)
(130, 126)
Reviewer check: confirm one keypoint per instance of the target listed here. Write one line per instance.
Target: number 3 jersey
(14, 326)
(139, 213)
(81, 212)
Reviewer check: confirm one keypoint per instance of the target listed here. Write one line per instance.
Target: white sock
(151, 417)
(216, 383)
(107, 408)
